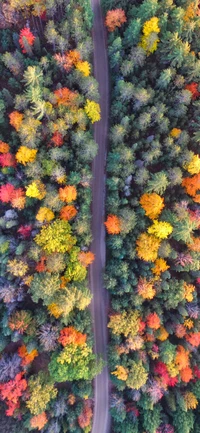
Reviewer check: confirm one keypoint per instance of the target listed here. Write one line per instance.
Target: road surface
(101, 418)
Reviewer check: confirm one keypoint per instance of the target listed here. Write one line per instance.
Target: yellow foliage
(190, 400)
(188, 323)
(55, 310)
(160, 229)
(150, 28)
(125, 323)
(147, 247)
(36, 189)
(121, 372)
(17, 267)
(56, 237)
(152, 204)
(25, 155)
(83, 67)
(92, 110)
(175, 132)
(40, 395)
(190, 12)
(160, 266)
(173, 370)
(162, 334)
(45, 214)
(193, 167)
(188, 290)
(145, 288)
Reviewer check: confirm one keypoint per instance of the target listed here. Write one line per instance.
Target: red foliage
(160, 368)
(71, 335)
(26, 33)
(7, 160)
(172, 381)
(142, 327)
(130, 407)
(25, 231)
(193, 88)
(11, 391)
(196, 372)
(57, 139)
(6, 192)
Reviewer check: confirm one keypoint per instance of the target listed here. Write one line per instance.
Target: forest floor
(101, 420)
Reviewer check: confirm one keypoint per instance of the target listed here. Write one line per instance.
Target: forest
(48, 104)
(153, 216)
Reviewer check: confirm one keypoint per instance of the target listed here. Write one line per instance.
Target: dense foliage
(153, 184)
(48, 102)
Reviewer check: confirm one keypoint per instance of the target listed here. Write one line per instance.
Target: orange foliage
(68, 212)
(71, 335)
(4, 147)
(16, 119)
(84, 418)
(27, 357)
(152, 204)
(39, 421)
(65, 97)
(67, 60)
(86, 258)
(41, 266)
(115, 18)
(113, 225)
(193, 339)
(182, 358)
(195, 245)
(71, 399)
(192, 185)
(186, 374)
(18, 198)
(68, 193)
(153, 321)
(160, 266)
(74, 56)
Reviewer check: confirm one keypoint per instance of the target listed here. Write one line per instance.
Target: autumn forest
(50, 103)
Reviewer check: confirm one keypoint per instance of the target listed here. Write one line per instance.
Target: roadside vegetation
(48, 103)
(153, 216)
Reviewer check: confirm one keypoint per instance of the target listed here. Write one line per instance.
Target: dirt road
(101, 420)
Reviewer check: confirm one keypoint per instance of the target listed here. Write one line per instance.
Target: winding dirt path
(101, 419)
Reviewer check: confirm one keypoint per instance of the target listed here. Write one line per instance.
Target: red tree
(26, 34)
